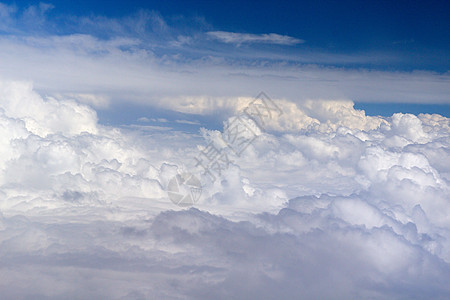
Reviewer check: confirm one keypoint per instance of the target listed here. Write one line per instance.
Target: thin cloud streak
(241, 38)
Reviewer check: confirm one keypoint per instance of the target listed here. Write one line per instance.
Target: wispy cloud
(241, 38)
(187, 122)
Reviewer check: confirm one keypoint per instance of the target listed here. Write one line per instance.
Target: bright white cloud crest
(335, 205)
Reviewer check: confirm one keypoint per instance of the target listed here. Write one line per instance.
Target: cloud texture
(328, 203)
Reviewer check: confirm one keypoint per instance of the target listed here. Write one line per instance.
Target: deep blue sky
(415, 30)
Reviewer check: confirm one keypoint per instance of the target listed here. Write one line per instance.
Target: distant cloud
(187, 122)
(155, 120)
(143, 120)
(103, 72)
(132, 59)
(163, 120)
(97, 101)
(267, 38)
(146, 128)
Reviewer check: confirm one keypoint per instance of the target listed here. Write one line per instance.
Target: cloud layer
(328, 203)
(144, 58)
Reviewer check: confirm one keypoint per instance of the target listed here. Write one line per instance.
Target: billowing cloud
(242, 38)
(325, 202)
(341, 205)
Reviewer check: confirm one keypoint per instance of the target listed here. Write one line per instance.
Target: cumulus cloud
(326, 202)
(241, 38)
(43, 117)
(342, 205)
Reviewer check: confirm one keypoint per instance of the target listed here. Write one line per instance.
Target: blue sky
(397, 51)
(415, 29)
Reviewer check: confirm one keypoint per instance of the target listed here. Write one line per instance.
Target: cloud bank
(147, 59)
(328, 203)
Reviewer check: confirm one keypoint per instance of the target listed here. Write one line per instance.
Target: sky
(224, 150)
(141, 52)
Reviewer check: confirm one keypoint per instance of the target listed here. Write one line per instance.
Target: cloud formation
(342, 205)
(327, 202)
(146, 59)
(100, 71)
(241, 38)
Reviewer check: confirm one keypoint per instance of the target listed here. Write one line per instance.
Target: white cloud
(241, 38)
(187, 122)
(143, 120)
(93, 100)
(347, 206)
(334, 204)
(43, 117)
